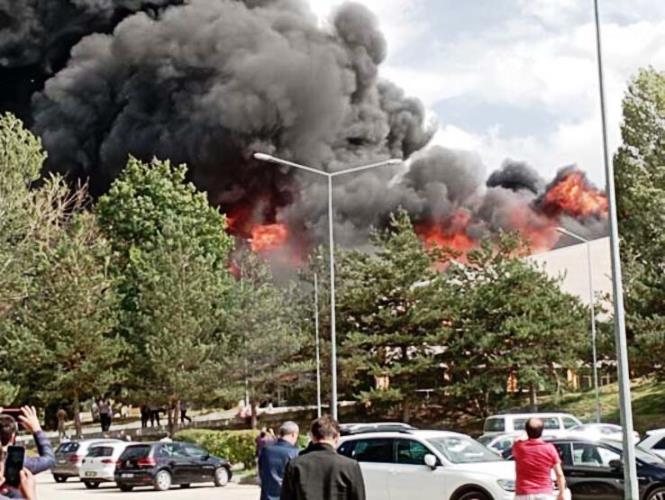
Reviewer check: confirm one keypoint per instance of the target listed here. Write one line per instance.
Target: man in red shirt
(534, 461)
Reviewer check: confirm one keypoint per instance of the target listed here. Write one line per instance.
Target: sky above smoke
(517, 78)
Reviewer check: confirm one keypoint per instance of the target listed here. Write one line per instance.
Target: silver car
(69, 456)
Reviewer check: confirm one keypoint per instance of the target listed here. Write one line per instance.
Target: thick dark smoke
(208, 82)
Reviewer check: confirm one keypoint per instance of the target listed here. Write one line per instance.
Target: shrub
(238, 447)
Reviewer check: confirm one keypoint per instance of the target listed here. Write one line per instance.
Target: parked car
(556, 424)
(429, 464)
(594, 470)
(358, 428)
(610, 432)
(500, 442)
(654, 441)
(98, 466)
(162, 465)
(69, 456)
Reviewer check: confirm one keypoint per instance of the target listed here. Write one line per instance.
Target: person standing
(322, 474)
(105, 414)
(273, 459)
(534, 461)
(62, 420)
(9, 430)
(183, 413)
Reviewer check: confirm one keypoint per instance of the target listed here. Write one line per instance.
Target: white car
(429, 465)
(654, 441)
(98, 466)
(600, 431)
(556, 424)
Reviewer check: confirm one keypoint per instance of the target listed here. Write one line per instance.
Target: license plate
(90, 474)
(127, 475)
(62, 461)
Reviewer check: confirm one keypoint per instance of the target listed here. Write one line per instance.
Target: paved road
(74, 490)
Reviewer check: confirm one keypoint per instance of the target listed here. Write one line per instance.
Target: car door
(589, 474)
(177, 460)
(376, 459)
(409, 474)
(201, 468)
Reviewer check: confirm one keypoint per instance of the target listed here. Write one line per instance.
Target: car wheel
(473, 495)
(59, 479)
(186, 485)
(125, 487)
(91, 485)
(221, 476)
(657, 494)
(163, 480)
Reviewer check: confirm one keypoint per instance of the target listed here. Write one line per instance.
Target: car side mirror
(616, 464)
(430, 461)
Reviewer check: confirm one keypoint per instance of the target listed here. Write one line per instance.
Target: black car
(162, 465)
(594, 470)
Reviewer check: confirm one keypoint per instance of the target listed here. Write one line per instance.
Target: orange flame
(268, 237)
(451, 233)
(575, 196)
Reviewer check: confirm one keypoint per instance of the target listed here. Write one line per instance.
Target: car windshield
(138, 451)
(485, 440)
(462, 450)
(100, 451)
(496, 424)
(70, 447)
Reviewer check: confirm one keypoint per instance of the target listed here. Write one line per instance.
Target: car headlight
(507, 484)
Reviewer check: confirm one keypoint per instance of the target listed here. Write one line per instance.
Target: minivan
(556, 424)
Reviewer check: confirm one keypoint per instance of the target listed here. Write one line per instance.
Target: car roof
(534, 414)
(653, 432)
(111, 443)
(420, 433)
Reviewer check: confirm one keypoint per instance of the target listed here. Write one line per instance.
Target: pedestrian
(534, 461)
(273, 459)
(62, 419)
(145, 416)
(262, 440)
(154, 416)
(105, 414)
(322, 474)
(183, 413)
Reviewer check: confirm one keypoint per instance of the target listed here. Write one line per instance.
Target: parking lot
(74, 490)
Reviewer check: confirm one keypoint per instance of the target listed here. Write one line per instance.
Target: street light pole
(631, 490)
(329, 175)
(593, 315)
(318, 355)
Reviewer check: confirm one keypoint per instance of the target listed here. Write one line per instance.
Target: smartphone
(13, 465)
(14, 412)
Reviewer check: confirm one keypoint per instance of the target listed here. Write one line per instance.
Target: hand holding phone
(14, 465)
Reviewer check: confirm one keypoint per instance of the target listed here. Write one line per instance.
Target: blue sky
(517, 78)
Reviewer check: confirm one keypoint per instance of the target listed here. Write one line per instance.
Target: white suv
(556, 424)
(431, 465)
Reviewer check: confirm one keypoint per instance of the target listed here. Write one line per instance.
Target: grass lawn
(648, 398)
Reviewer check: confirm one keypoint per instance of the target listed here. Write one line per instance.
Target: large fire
(450, 233)
(268, 237)
(573, 195)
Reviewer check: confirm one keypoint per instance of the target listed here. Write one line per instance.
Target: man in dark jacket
(273, 459)
(322, 474)
(28, 417)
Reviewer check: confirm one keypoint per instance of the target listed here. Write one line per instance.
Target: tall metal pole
(593, 332)
(629, 466)
(333, 329)
(318, 355)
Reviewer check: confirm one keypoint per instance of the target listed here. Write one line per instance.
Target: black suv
(163, 464)
(594, 469)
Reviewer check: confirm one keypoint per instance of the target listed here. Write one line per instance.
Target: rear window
(100, 451)
(67, 447)
(138, 451)
(495, 424)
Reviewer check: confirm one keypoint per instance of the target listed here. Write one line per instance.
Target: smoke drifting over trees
(208, 82)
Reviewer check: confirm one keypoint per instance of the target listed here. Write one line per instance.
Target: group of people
(315, 473)
(27, 489)
(151, 413)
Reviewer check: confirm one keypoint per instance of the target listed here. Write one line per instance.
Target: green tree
(393, 309)
(511, 319)
(640, 181)
(265, 333)
(182, 301)
(166, 235)
(63, 339)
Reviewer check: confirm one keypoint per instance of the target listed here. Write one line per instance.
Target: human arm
(46, 458)
(560, 481)
(28, 485)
